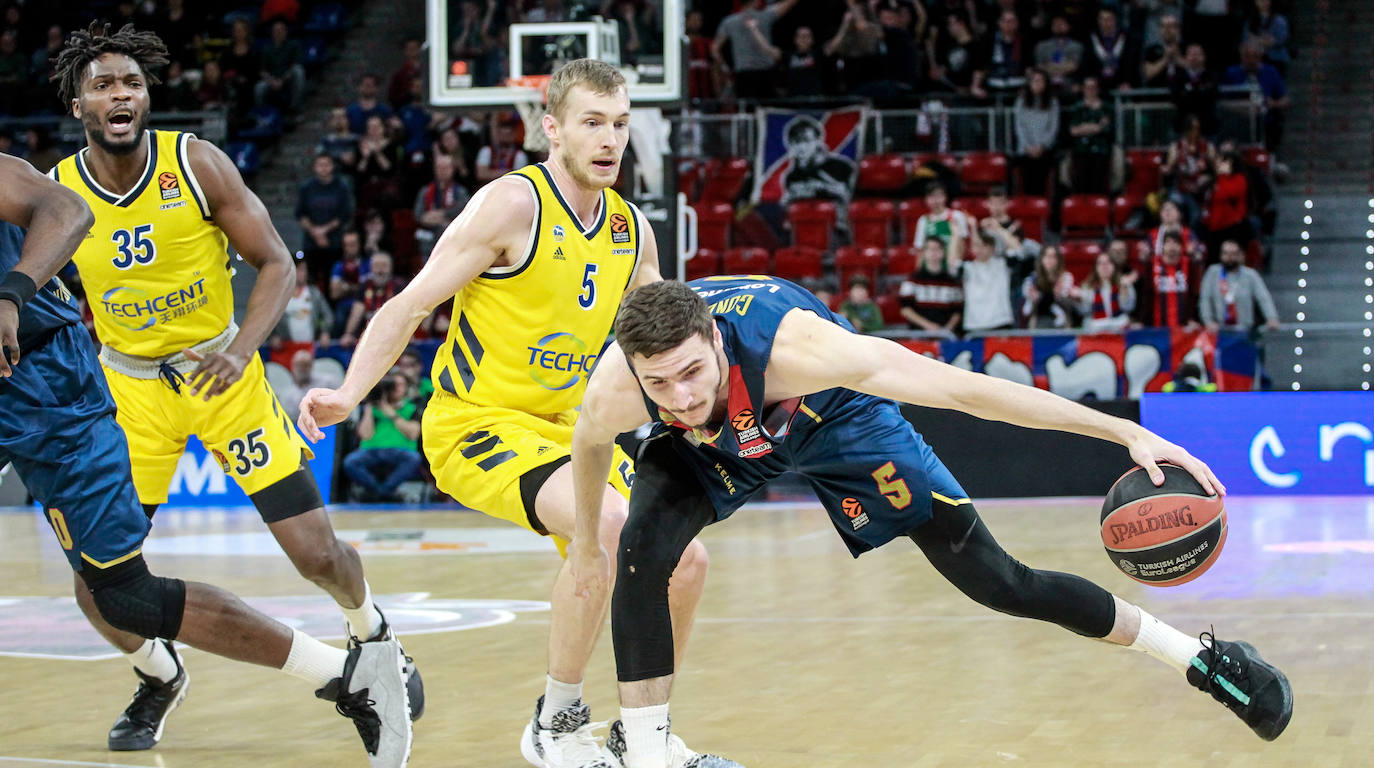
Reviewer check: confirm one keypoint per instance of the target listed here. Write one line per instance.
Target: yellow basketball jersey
(526, 335)
(155, 267)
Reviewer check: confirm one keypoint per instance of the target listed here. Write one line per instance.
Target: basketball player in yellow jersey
(157, 274)
(536, 264)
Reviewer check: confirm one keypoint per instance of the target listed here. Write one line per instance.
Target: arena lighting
(1297, 367)
(1303, 265)
(1302, 282)
(1302, 316)
(1296, 386)
(1308, 219)
(1297, 351)
(1308, 203)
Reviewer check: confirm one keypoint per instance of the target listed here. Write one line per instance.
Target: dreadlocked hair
(85, 46)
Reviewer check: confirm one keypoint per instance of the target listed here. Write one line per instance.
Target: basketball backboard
(476, 47)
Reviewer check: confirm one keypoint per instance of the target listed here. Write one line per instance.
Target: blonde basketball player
(536, 264)
(157, 275)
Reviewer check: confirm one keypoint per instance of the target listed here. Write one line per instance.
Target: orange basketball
(1162, 535)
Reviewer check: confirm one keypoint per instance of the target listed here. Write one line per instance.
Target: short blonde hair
(596, 76)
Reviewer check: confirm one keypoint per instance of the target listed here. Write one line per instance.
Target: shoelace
(1219, 663)
(171, 377)
(359, 708)
(582, 740)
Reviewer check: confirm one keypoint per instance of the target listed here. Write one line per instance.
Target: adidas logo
(543, 449)
(558, 254)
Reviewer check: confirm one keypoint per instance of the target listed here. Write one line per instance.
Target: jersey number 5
(588, 297)
(894, 488)
(134, 247)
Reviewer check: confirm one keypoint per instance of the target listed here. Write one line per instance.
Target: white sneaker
(679, 756)
(372, 693)
(570, 743)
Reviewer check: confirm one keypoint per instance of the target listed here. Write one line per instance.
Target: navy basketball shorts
(59, 432)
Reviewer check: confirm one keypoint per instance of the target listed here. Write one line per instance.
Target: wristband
(18, 288)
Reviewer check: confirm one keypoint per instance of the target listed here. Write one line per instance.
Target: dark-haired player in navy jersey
(746, 378)
(59, 431)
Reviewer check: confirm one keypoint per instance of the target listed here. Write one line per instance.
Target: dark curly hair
(85, 46)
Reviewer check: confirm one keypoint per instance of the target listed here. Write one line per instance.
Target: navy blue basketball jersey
(872, 472)
(51, 308)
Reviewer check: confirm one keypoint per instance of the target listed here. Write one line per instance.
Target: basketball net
(531, 108)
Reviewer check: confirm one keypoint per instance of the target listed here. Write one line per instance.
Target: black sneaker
(1236, 676)
(415, 686)
(140, 725)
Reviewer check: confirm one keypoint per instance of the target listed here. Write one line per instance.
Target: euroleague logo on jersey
(854, 511)
(170, 186)
(620, 228)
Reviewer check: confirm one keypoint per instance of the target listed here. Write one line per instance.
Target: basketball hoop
(531, 107)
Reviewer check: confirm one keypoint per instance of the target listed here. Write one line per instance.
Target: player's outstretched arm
(611, 406)
(498, 215)
(811, 354)
(56, 219)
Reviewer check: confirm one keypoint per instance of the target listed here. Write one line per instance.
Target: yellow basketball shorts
(244, 428)
(478, 455)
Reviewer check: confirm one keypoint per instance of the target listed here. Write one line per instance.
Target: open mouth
(604, 165)
(121, 122)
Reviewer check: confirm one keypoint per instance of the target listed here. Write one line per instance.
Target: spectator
(987, 282)
(942, 223)
(1109, 52)
(282, 83)
(381, 285)
(898, 64)
(1267, 89)
(1048, 294)
(1231, 292)
(806, 67)
(240, 64)
(324, 206)
(412, 68)
(1169, 298)
(346, 279)
(1170, 220)
(418, 122)
(174, 93)
(1188, 167)
(1260, 188)
(859, 308)
(339, 142)
(956, 59)
(304, 377)
(376, 236)
(366, 106)
(932, 298)
(42, 68)
(1163, 59)
(389, 434)
(1106, 299)
(1000, 223)
(14, 74)
(503, 154)
(412, 364)
(1090, 129)
(449, 143)
(1007, 55)
(380, 158)
(704, 76)
(306, 319)
(437, 205)
(1226, 213)
(1060, 56)
(1195, 90)
(824, 290)
(212, 91)
(639, 27)
(1270, 31)
(1036, 118)
(749, 32)
(179, 32)
(1211, 20)
(1120, 254)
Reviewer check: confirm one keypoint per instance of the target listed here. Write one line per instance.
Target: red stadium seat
(724, 179)
(1254, 255)
(813, 223)
(1033, 213)
(907, 214)
(891, 307)
(746, 261)
(1079, 257)
(714, 221)
(870, 222)
(705, 262)
(975, 207)
(1144, 171)
(853, 260)
(1258, 157)
(797, 262)
(901, 261)
(1122, 208)
(882, 174)
(943, 158)
(980, 171)
(688, 174)
(1084, 216)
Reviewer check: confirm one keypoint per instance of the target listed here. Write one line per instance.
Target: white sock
(154, 660)
(313, 661)
(1165, 643)
(558, 697)
(646, 736)
(363, 621)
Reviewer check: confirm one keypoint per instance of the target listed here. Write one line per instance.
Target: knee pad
(131, 598)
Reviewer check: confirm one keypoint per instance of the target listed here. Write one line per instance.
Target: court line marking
(914, 619)
(45, 761)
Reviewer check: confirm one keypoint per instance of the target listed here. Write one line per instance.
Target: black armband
(18, 288)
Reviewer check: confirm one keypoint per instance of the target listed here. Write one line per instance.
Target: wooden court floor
(801, 658)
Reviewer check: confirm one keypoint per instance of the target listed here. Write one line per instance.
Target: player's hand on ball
(591, 568)
(1151, 449)
(321, 408)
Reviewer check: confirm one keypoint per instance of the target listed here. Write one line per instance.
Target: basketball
(1162, 535)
